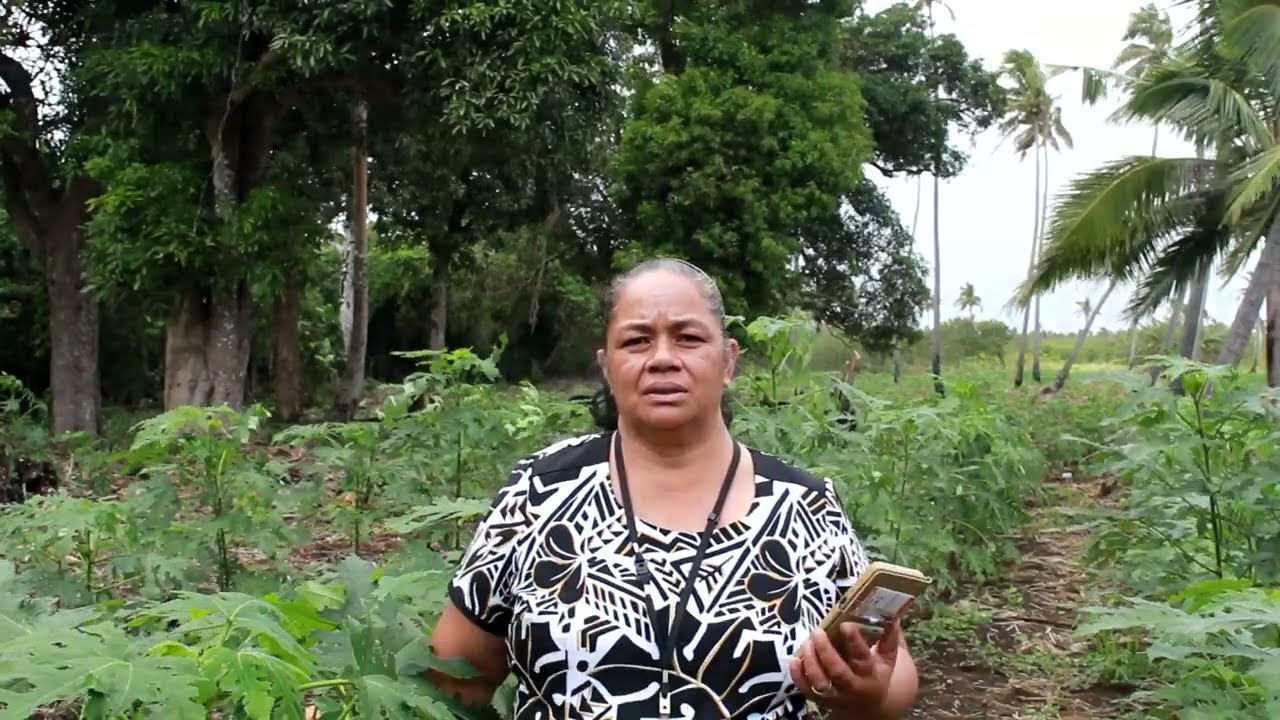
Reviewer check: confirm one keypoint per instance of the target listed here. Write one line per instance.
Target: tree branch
(883, 170)
(21, 97)
(15, 203)
(29, 193)
(249, 82)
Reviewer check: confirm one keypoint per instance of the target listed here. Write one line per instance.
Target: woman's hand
(856, 684)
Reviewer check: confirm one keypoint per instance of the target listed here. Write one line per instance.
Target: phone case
(880, 595)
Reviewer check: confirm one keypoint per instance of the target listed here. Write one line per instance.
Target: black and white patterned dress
(552, 571)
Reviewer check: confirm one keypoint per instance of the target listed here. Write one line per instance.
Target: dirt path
(1005, 650)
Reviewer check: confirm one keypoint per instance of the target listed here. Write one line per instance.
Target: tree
(1084, 308)
(968, 299)
(1034, 121)
(239, 74)
(1164, 219)
(921, 90)
(1090, 313)
(749, 134)
(47, 195)
(861, 274)
(351, 385)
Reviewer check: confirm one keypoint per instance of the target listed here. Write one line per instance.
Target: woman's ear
(604, 372)
(731, 364)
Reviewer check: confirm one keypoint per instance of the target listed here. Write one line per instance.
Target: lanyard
(666, 641)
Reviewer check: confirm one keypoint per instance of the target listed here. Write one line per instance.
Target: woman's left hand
(858, 681)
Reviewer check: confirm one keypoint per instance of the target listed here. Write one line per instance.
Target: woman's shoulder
(571, 452)
(787, 474)
(563, 457)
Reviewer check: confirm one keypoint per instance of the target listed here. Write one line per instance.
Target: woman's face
(665, 357)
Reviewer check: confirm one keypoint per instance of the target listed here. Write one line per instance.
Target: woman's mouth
(665, 391)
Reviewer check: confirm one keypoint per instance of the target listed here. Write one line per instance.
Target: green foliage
(1194, 537)
(934, 483)
(756, 136)
(919, 90)
(1201, 469)
(862, 274)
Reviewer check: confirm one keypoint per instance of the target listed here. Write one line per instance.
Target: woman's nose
(664, 354)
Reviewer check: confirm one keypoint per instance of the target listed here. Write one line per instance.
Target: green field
(1102, 553)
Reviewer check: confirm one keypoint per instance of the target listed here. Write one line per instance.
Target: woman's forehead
(661, 293)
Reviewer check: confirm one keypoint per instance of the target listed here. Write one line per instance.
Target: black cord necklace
(666, 640)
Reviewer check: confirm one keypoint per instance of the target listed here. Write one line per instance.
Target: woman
(630, 575)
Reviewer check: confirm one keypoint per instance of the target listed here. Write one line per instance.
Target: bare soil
(1020, 661)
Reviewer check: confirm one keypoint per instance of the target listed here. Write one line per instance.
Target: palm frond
(1205, 109)
(1249, 231)
(1107, 220)
(1251, 32)
(1152, 24)
(1252, 181)
(1183, 260)
(1134, 53)
(1095, 83)
(1060, 130)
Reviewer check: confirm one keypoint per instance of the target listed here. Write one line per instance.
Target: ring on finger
(823, 691)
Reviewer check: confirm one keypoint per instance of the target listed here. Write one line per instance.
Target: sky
(987, 211)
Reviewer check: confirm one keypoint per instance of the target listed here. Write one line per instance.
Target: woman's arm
(456, 637)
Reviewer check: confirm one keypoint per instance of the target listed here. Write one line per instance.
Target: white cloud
(987, 211)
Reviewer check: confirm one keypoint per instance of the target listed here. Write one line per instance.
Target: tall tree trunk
(1061, 380)
(936, 364)
(206, 358)
(1273, 331)
(936, 361)
(351, 388)
(1259, 343)
(347, 302)
(440, 278)
(1264, 278)
(1170, 331)
(229, 343)
(286, 371)
(47, 211)
(73, 321)
(1044, 220)
(1133, 344)
(1193, 322)
(1035, 246)
(915, 215)
(897, 365)
(207, 340)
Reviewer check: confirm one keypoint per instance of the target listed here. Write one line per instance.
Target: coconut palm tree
(1084, 308)
(1090, 313)
(1150, 38)
(936, 362)
(968, 300)
(1035, 123)
(1163, 220)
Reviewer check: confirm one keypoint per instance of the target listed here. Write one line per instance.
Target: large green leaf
(1253, 182)
(65, 664)
(263, 685)
(387, 698)
(1115, 214)
(1251, 31)
(227, 616)
(1205, 108)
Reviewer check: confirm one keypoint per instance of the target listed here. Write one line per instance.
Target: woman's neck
(675, 450)
(674, 482)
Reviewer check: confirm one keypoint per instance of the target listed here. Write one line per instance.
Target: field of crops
(1113, 551)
